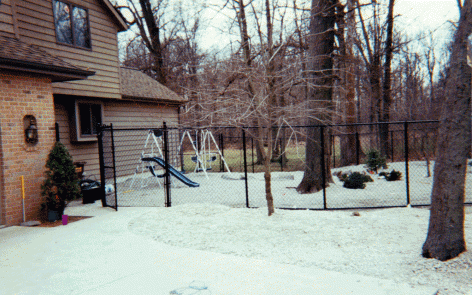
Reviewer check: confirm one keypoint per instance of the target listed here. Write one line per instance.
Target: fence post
(222, 147)
(114, 165)
(166, 159)
(333, 145)
(182, 164)
(102, 164)
(407, 174)
(391, 144)
(245, 168)
(323, 167)
(281, 156)
(252, 153)
(358, 146)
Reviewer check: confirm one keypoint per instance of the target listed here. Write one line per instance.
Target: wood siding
(6, 19)
(35, 22)
(122, 115)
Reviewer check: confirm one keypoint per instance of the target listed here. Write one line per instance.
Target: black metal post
(245, 168)
(323, 168)
(114, 166)
(391, 145)
(220, 143)
(334, 150)
(102, 164)
(252, 150)
(167, 168)
(281, 156)
(407, 174)
(182, 164)
(358, 147)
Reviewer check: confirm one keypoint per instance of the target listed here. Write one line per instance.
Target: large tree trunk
(321, 46)
(387, 97)
(445, 238)
(348, 140)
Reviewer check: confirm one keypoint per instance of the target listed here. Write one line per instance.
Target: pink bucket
(65, 219)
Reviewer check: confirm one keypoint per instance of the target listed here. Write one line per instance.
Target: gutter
(58, 73)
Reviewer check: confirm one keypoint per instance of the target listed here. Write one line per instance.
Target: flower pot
(54, 215)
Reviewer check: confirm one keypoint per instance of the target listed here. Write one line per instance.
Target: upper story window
(72, 25)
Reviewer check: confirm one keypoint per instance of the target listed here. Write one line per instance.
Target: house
(59, 76)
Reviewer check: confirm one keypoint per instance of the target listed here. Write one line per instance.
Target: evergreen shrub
(61, 184)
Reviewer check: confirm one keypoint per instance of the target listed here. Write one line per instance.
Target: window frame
(74, 41)
(76, 128)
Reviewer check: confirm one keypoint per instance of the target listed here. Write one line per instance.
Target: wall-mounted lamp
(31, 132)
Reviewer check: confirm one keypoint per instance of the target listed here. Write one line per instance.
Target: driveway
(100, 255)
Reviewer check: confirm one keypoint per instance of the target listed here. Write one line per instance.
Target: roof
(137, 85)
(117, 16)
(20, 56)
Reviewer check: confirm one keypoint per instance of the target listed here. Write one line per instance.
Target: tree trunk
(445, 239)
(154, 45)
(387, 97)
(270, 74)
(348, 140)
(321, 47)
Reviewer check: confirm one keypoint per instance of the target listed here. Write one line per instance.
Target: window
(87, 116)
(72, 26)
(90, 115)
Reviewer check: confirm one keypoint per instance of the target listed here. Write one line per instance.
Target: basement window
(72, 24)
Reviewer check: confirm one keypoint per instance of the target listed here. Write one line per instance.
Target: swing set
(205, 150)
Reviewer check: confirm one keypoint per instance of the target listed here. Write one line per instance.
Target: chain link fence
(222, 166)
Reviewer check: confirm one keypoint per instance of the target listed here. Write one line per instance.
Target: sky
(431, 14)
(414, 15)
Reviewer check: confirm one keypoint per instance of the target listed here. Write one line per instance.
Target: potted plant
(61, 184)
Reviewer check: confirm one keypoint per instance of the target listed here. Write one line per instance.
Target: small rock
(355, 213)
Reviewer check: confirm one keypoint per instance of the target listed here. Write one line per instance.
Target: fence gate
(132, 172)
(106, 150)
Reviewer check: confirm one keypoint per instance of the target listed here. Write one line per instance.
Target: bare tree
(445, 239)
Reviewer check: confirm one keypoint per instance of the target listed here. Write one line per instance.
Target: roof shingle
(137, 85)
(15, 54)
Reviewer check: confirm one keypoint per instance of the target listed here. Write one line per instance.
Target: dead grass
(59, 222)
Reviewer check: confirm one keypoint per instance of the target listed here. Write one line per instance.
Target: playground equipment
(140, 177)
(174, 172)
(150, 156)
(206, 150)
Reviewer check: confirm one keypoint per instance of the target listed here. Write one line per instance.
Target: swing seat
(212, 159)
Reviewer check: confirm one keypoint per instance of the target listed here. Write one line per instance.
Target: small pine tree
(61, 184)
(375, 160)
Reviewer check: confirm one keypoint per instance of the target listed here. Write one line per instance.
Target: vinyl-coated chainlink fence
(160, 166)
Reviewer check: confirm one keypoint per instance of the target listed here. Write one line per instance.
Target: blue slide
(176, 173)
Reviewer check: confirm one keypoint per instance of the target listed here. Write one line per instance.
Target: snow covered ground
(383, 243)
(208, 235)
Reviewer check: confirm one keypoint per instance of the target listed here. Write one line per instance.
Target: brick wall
(22, 95)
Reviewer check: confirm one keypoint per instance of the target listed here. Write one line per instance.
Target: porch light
(31, 132)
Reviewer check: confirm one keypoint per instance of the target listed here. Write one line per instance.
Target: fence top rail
(181, 128)
(305, 126)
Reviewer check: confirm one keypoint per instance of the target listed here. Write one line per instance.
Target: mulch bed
(59, 222)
